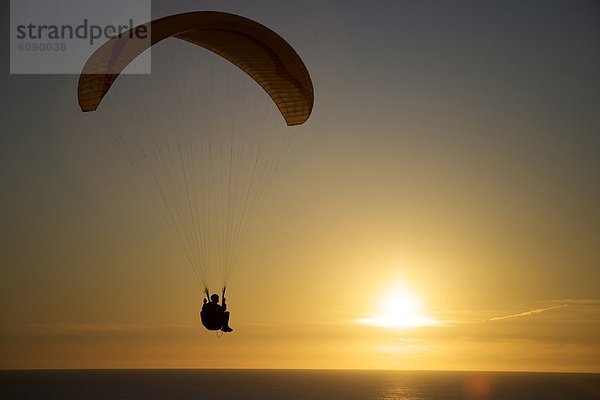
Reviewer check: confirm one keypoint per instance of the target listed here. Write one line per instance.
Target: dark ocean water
(294, 385)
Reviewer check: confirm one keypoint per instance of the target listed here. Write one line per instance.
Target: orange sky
(430, 162)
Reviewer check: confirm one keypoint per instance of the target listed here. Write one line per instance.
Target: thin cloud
(576, 301)
(68, 328)
(528, 313)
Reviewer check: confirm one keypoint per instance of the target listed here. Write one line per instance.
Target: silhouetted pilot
(214, 316)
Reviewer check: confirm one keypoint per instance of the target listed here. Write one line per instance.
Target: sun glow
(400, 308)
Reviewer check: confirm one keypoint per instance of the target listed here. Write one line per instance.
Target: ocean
(293, 385)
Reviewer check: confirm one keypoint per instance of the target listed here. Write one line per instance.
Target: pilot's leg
(226, 327)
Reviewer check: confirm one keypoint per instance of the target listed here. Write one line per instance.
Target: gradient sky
(453, 149)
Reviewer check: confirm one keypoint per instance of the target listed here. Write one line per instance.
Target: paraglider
(206, 146)
(214, 316)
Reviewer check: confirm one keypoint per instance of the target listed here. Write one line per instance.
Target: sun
(400, 308)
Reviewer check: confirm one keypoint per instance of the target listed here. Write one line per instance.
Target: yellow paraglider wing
(258, 51)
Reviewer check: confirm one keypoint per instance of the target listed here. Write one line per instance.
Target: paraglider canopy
(258, 51)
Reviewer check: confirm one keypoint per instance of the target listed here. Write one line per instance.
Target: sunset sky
(439, 210)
